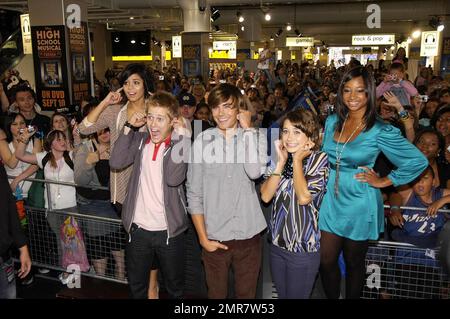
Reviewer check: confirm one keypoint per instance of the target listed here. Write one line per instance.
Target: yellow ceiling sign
(220, 54)
(132, 58)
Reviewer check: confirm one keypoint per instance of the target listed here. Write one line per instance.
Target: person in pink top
(394, 82)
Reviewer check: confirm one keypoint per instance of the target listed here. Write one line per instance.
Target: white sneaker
(43, 270)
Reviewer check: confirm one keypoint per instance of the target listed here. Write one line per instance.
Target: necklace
(56, 174)
(339, 154)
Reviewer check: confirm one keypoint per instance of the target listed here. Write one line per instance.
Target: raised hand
(245, 118)
(138, 119)
(179, 126)
(92, 158)
(113, 97)
(393, 101)
(25, 135)
(304, 151)
(282, 154)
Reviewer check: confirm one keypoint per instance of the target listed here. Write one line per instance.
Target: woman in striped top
(296, 183)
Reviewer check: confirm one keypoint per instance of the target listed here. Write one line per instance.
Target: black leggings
(331, 246)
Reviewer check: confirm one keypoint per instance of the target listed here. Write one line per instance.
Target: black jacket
(10, 229)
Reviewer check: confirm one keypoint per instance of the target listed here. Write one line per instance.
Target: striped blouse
(294, 227)
(114, 117)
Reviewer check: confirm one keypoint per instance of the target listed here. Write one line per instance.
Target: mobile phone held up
(30, 129)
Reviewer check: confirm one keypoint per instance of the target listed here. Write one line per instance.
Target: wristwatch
(134, 128)
(403, 114)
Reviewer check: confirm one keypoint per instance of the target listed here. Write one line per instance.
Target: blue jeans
(140, 253)
(293, 273)
(7, 280)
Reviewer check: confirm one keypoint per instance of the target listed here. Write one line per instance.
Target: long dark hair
(441, 139)
(8, 123)
(68, 134)
(370, 115)
(438, 113)
(51, 136)
(139, 69)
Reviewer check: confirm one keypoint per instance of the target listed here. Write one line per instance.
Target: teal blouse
(357, 211)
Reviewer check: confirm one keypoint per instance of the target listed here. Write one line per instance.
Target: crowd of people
(324, 147)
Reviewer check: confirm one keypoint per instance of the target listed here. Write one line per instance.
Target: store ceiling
(331, 20)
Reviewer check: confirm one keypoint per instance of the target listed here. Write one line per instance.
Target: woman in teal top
(352, 209)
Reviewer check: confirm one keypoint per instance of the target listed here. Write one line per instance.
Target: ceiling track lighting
(215, 14)
(436, 23)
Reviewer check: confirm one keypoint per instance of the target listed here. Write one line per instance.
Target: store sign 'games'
(373, 39)
(299, 42)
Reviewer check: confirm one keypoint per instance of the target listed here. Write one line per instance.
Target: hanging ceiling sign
(176, 46)
(373, 39)
(26, 33)
(429, 43)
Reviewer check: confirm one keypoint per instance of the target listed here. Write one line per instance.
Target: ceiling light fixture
(436, 23)
(288, 27)
(240, 17)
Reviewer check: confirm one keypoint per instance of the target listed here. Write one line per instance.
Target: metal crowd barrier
(103, 239)
(404, 271)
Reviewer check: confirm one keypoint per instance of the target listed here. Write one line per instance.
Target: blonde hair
(164, 100)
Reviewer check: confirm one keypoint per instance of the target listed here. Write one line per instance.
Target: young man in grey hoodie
(153, 212)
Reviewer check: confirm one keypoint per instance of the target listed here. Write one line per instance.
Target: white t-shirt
(61, 196)
(20, 168)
